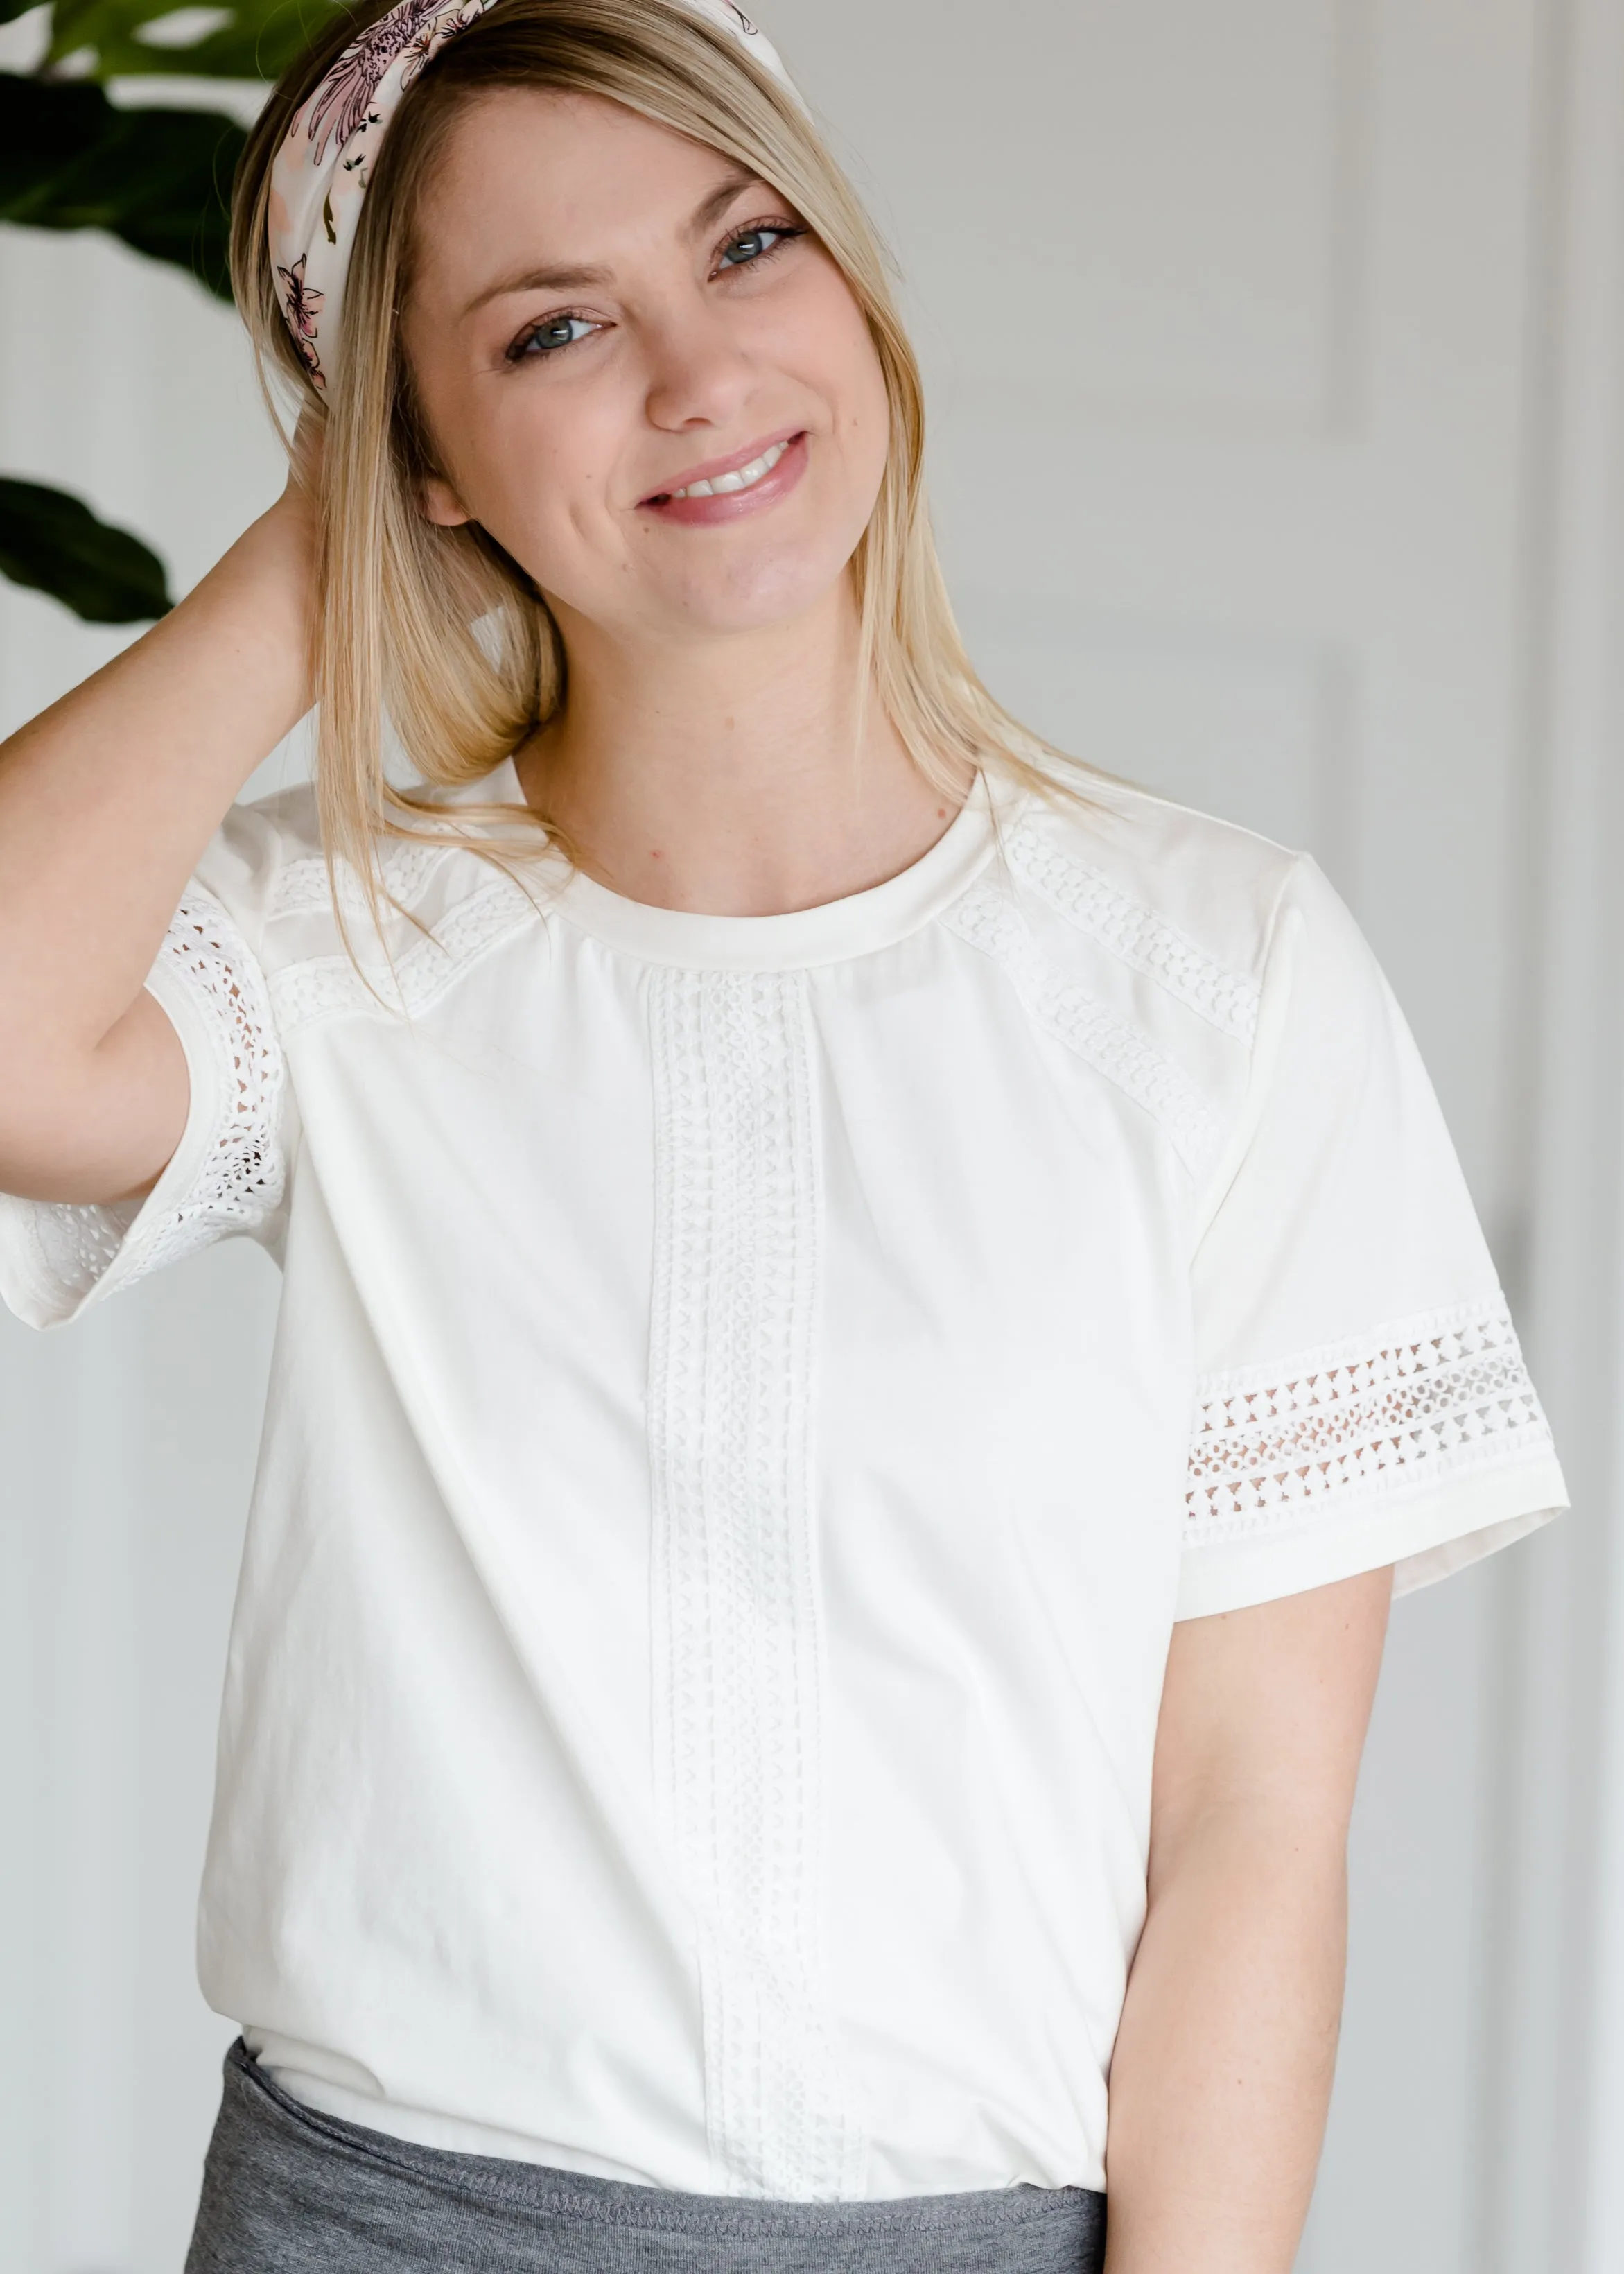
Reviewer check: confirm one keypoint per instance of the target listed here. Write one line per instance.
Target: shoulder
(245, 862)
(1165, 948)
(267, 867)
(1195, 904)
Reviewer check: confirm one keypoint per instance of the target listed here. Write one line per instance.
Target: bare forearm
(107, 799)
(1223, 2069)
(106, 802)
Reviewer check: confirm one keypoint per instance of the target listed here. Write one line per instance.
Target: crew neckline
(832, 932)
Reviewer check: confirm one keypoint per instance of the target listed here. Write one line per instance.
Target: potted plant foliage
(159, 179)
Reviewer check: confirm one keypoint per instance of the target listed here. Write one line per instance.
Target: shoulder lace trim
(303, 887)
(330, 986)
(985, 917)
(1413, 1404)
(1135, 934)
(241, 1174)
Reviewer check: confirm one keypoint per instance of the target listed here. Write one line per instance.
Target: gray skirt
(286, 2190)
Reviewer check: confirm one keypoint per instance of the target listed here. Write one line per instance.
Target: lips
(729, 489)
(743, 478)
(719, 465)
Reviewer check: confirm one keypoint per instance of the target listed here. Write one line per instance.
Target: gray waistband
(288, 2190)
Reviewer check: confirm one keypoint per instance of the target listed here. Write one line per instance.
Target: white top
(752, 1396)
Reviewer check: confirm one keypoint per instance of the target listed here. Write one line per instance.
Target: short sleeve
(229, 1173)
(1362, 1399)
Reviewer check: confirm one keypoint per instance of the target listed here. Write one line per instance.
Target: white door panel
(1244, 726)
(1034, 163)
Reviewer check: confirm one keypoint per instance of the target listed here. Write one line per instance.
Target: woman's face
(604, 314)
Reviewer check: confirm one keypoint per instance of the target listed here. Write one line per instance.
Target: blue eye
(754, 244)
(546, 338)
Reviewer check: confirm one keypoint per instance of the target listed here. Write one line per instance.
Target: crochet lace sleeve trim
(1414, 1406)
(237, 1172)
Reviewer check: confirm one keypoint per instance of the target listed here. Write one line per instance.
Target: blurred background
(1277, 358)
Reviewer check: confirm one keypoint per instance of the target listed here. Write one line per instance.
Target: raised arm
(1222, 2070)
(107, 800)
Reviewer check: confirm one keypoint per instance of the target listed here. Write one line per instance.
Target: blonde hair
(399, 599)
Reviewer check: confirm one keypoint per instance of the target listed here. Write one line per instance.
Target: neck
(732, 777)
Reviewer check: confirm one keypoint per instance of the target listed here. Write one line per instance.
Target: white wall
(1275, 357)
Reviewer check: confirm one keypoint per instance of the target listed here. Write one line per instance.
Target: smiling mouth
(746, 477)
(740, 478)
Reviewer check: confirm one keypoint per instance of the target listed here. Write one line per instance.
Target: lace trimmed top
(753, 1396)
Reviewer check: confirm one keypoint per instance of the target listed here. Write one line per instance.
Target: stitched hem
(1424, 1535)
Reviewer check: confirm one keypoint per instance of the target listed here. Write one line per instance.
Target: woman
(750, 1694)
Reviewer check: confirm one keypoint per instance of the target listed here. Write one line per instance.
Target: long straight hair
(440, 630)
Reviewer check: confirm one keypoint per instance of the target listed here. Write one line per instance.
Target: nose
(698, 373)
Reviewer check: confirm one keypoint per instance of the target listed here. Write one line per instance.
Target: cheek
(552, 459)
(865, 414)
(838, 341)
(532, 465)
(872, 419)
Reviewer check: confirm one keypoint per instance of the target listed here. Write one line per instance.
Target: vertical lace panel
(238, 1179)
(1413, 1404)
(739, 1746)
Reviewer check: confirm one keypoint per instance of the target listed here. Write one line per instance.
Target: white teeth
(742, 479)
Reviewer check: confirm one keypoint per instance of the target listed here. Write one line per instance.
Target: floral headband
(320, 175)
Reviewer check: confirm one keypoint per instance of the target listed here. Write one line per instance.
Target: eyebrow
(577, 277)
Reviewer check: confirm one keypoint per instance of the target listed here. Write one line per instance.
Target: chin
(748, 596)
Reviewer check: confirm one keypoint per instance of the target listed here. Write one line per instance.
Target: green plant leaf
(159, 180)
(53, 543)
(260, 39)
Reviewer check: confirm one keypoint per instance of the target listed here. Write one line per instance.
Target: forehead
(568, 175)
